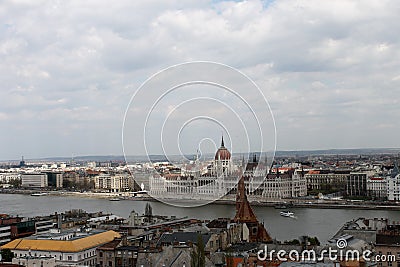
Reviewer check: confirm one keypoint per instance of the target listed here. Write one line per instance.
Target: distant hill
(350, 151)
(289, 153)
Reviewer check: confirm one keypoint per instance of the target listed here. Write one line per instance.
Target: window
(70, 258)
(101, 254)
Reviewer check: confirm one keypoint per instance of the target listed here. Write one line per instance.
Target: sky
(330, 70)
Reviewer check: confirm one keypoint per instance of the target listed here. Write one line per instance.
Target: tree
(198, 257)
(16, 183)
(6, 255)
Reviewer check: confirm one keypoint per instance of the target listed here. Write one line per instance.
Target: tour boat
(287, 214)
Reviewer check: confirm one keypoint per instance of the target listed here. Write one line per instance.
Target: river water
(323, 223)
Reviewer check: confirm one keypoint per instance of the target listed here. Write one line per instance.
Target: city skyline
(328, 70)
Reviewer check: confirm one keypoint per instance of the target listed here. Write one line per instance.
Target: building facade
(5, 234)
(393, 188)
(327, 180)
(393, 184)
(44, 226)
(114, 183)
(287, 185)
(356, 185)
(32, 261)
(54, 179)
(34, 180)
(377, 187)
(7, 177)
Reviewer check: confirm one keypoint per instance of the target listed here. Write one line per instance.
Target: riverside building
(35, 180)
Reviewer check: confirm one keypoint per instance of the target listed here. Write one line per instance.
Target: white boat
(115, 199)
(287, 214)
(38, 194)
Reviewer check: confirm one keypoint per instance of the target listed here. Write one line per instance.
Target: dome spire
(222, 152)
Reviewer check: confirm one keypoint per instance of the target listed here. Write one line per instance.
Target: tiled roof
(61, 245)
(110, 245)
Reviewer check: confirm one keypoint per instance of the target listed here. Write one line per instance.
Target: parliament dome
(222, 152)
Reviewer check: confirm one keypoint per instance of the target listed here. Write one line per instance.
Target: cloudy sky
(329, 69)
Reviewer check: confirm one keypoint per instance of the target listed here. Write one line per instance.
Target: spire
(246, 215)
(244, 212)
(222, 141)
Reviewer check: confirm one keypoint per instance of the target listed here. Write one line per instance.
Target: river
(322, 223)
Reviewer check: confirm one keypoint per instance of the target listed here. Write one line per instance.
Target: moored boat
(38, 194)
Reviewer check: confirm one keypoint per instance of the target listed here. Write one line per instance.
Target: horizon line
(157, 155)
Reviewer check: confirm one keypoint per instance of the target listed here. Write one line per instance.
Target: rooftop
(73, 245)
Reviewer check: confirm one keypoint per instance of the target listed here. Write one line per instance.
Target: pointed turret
(246, 216)
(244, 212)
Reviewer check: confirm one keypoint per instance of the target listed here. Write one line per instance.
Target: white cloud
(324, 66)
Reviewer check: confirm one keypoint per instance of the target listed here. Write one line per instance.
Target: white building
(5, 234)
(393, 184)
(114, 183)
(287, 185)
(34, 180)
(91, 164)
(44, 226)
(68, 249)
(7, 177)
(377, 187)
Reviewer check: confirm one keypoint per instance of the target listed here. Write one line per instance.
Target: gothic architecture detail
(219, 178)
(253, 231)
